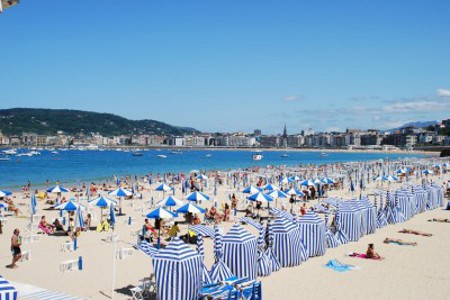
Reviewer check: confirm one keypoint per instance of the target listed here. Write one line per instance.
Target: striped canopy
(240, 252)
(203, 230)
(278, 194)
(147, 248)
(286, 180)
(120, 192)
(307, 183)
(263, 259)
(219, 270)
(312, 228)
(7, 290)
(251, 190)
(273, 260)
(293, 191)
(178, 271)
(270, 187)
(57, 189)
(102, 202)
(191, 208)
(163, 188)
(260, 196)
(288, 246)
(170, 201)
(197, 196)
(69, 206)
(161, 213)
(5, 193)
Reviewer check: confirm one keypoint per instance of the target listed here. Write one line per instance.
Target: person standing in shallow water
(16, 243)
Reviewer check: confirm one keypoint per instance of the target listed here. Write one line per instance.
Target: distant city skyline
(233, 65)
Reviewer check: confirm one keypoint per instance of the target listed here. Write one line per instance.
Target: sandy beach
(407, 272)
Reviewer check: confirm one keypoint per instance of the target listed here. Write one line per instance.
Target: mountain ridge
(47, 121)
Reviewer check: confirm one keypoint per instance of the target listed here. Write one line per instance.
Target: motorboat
(161, 156)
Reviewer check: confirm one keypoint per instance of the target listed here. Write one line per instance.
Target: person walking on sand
(16, 243)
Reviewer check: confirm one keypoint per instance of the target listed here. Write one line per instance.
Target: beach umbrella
(312, 229)
(295, 178)
(163, 188)
(270, 187)
(178, 271)
(170, 201)
(79, 220)
(4, 193)
(240, 252)
(427, 172)
(219, 270)
(33, 204)
(307, 183)
(278, 194)
(69, 206)
(293, 191)
(120, 192)
(3, 205)
(251, 190)
(191, 208)
(317, 181)
(102, 202)
(328, 181)
(112, 216)
(57, 189)
(288, 246)
(197, 196)
(161, 213)
(202, 177)
(260, 196)
(286, 180)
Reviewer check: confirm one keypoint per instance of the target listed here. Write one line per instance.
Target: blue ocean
(73, 166)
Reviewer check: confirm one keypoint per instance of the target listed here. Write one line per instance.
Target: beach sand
(407, 272)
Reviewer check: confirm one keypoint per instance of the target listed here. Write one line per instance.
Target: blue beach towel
(339, 267)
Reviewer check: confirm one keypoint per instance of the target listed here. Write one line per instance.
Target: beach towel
(339, 267)
(362, 255)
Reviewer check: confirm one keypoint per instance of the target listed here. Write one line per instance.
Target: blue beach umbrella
(33, 204)
(79, 220)
(197, 196)
(102, 202)
(270, 187)
(293, 191)
(112, 215)
(278, 194)
(69, 206)
(120, 192)
(3, 205)
(5, 193)
(170, 201)
(251, 190)
(260, 196)
(307, 183)
(161, 213)
(57, 189)
(163, 188)
(191, 208)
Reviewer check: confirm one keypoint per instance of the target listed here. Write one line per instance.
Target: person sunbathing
(399, 242)
(45, 226)
(13, 208)
(416, 232)
(371, 253)
(439, 220)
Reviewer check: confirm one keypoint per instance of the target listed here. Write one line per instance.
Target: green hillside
(72, 122)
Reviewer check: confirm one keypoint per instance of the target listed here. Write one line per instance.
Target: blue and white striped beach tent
(421, 196)
(206, 279)
(287, 245)
(277, 212)
(369, 215)
(203, 230)
(240, 252)
(332, 241)
(273, 260)
(341, 236)
(7, 290)
(350, 218)
(178, 271)
(312, 229)
(381, 215)
(263, 260)
(406, 203)
(219, 270)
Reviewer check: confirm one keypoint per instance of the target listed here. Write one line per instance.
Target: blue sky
(232, 65)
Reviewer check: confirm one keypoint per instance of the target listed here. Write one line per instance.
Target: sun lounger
(69, 265)
(124, 252)
(67, 246)
(26, 255)
(113, 237)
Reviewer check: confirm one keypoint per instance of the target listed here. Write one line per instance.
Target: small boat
(5, 159)
(323, 154)
(208, 155)
(284, 155)
(138, 154)
(161, 156)
(10, 152)
(257, 155)
(55, 152)
(176, 152)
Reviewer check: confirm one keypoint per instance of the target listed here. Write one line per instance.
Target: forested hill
(72, 122)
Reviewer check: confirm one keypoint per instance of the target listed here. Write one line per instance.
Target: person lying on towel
(439, 220)
(416, 232)
(398, 242)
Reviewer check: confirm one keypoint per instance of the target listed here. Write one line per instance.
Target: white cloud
(293, 98)
(416, 106)
(443, 92)
(330, 129)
